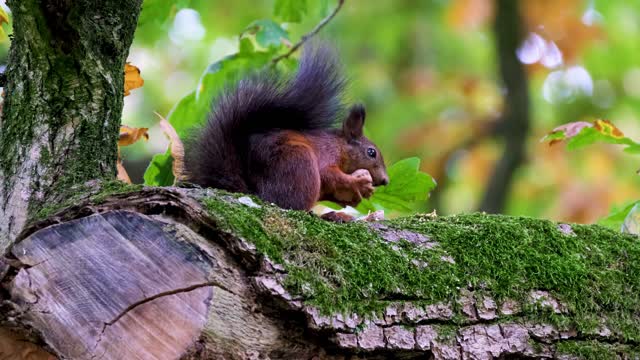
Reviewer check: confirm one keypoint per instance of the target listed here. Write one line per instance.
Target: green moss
(96, 193)
(596, 273)
(65, 71)
(446, 333)
(593, 350)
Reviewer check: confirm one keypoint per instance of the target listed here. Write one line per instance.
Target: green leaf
(186, 114)
(192, 110)
(160, 11)
(631, 224)
(246, 47)
(323, 7)
(156, 17)
(290, 10)
(580, 133)
(160, 170)
(408, 187)
(590, 136)
(617, 216)
(632, 149)
(268, 33)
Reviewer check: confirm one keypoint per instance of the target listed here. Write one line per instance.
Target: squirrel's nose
(384, 181)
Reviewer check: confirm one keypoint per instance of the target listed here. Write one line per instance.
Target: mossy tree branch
(216, 275)
(64, 97)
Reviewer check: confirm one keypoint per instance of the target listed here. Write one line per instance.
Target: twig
(309, 35)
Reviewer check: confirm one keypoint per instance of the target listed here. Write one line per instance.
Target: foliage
(581, 133)
(408, 187)
(192, 110)
(4, 19)
(427, 72)
(290, 10)
(259, 43)
(160, 170)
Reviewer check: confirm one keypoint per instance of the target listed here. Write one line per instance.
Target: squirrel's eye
(371, 152)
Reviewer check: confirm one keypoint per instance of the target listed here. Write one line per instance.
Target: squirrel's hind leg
(286, 175)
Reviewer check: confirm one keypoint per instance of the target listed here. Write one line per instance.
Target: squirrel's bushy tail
(308, 100)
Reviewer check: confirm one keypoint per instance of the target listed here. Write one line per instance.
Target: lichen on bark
(63, 101)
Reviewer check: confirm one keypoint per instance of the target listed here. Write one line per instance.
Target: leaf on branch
(582, 133)
(290, 10)
(130, 135)
(132, 78)
(268, 33)
(566, 131)
(192, 110)
(408, 187)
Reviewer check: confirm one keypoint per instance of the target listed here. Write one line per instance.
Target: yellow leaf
(129, 135)
(176, 146)
(132, 78)
(4, 18)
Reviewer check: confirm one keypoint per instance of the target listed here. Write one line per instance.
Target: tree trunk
(63, 101)
(514, 123)
(199, 274)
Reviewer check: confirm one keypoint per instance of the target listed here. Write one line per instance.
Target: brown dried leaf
(129, 135)
(176, 147)
(132, 78)
(122, 172)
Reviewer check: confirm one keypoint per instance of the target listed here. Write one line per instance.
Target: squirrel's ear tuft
(352, 126)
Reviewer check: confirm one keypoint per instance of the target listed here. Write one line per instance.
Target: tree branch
(514, 125)
(311, 34)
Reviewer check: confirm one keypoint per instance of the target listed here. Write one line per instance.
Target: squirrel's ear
(352, 126)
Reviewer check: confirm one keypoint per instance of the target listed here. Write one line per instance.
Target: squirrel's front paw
(360, 185)
(363, 183)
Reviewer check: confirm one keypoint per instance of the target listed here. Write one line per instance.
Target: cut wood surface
(150, 273)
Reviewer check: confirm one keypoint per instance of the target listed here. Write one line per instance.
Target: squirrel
(279, 137)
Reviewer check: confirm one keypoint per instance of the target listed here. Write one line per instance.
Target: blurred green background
(427, 71)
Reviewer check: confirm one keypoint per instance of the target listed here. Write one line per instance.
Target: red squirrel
(279, 137)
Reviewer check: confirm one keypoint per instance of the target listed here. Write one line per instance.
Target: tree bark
(183, 274)
(63, 101)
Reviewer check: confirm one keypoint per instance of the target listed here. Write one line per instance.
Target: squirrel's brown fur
(276, 138)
